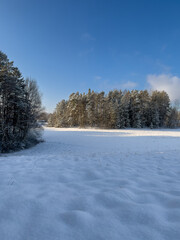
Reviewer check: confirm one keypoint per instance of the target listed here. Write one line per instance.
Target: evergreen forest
(20, 106)
(116, 110)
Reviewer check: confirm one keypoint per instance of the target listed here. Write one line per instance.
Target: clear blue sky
(73, 45)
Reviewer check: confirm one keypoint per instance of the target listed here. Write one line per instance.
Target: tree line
(116, 110)
(20, 106)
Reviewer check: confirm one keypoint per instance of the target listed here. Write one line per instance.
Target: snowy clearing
(93, 184)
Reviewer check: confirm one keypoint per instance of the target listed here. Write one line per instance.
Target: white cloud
(166, 82)
(129, 85)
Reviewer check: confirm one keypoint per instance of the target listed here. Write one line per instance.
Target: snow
(93, 184)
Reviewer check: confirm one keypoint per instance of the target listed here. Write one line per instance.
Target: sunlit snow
(93, 184)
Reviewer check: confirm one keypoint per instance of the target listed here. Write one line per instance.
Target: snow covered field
(94, 185)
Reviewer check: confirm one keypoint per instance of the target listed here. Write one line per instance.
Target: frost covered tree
(61, 114)
(90, 108)
(15, 108)
(82, 120)
(124, 109)
(34, 97)
(116, 109)
(135, 110)
(160, 104)
(144, 99)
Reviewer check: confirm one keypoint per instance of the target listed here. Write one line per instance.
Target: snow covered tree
(135, 109)
(117, 109)
(60, 112)
(82, 110)
(15, 108)
(160, 103)
(34, 98)
(173, 120)
(90, 108)
(144, 99)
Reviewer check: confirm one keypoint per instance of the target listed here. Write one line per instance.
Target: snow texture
(93, 184)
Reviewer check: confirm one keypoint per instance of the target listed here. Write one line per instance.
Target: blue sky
(73, 45)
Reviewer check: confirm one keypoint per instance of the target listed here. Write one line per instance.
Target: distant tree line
(20, 105)
(117, 109)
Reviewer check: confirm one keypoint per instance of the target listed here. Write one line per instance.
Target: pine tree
(144, 107)
(60, 112)
(15, 108)
(135, 109)
(117, 109)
